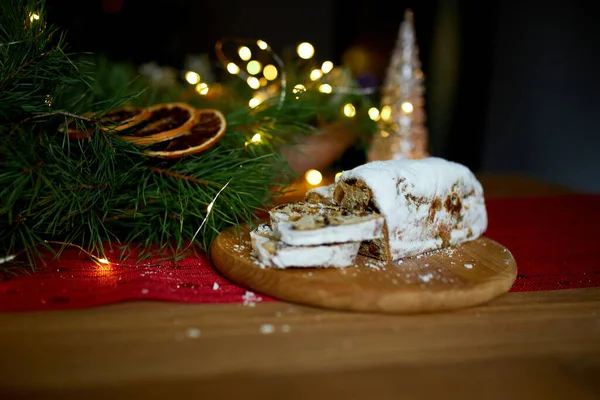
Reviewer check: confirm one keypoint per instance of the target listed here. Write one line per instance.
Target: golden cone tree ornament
(402, 133)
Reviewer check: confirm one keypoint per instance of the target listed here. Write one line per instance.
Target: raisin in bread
(321, 195)
(305, 224)
(273, 253)
(427, 204)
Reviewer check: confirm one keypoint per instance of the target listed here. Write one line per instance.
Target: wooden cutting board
(466, 275)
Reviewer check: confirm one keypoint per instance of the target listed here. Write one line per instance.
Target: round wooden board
(469, 274)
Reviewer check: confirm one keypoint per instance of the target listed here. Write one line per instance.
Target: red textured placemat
(555, 241)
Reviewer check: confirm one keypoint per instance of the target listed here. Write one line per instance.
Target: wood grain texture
(536, 345)
(462, 276)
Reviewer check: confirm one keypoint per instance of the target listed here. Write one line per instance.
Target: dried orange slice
(117, 119)
(209, 127)
(164, 122)
(124, 117)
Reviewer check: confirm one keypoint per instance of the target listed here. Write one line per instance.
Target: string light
(233, 69)
(305, 50)
(326, 67)
(245, 53)
(192, 77)
(253, 82)
(313, 177)
(316, 74)
(325, 88)
(254, 102)
(407, 107)
(253, 67)
(386, 113)
(208, 210)
(349, 110)
(262, 44)
(374, 114)
(270, 72)
(98, 260)
(202, 88)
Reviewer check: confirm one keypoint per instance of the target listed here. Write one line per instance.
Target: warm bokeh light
(245, 53)
(253, 82)
(313, 177)
(192, 77)
(386, 113)
(270, 72)
(305, 50)
(406, 107)
(256, 138)
(316, 74)
(374, 113)
(262, 44)
(337, 175)
(233, 69)
(263, 81)
(384, 133)
(325, 88)
(327, 67)
(202, 88)
(254, 102)
(349, 110)
(254, 67)
(299, 88)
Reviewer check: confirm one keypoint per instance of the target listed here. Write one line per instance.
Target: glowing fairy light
(349, 110)
(270, 72)
(316, 74)
(253, 82)
(263, 81)
(386, 113)
(8, 258)
(299, 88)
(326, 67)
(192, 77)
(254, 67)
(34, 16)
(374, 114)
(255, 139)
(337, 175)
(208, 210)
(305, 50)
(262, 44)
(313, 177)
(254, 102)
(233, 69)
(245, 53)
(202, 88)
(384, 133)
(407, 107)
(325, 88)
(96, 259)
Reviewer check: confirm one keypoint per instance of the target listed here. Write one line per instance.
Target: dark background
(510, 86)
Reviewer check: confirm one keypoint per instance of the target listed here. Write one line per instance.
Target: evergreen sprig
(103, 192)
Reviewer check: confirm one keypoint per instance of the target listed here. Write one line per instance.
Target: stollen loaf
(427, 204)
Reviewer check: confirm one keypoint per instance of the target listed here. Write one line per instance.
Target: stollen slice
(308, 224)
(273, 253)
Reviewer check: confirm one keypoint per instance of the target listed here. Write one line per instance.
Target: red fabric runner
(555, 241)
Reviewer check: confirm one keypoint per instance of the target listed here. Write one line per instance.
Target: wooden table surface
(536, 345)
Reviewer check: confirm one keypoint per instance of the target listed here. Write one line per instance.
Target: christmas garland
(95, 189)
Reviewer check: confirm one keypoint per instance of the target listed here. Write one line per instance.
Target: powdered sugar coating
(427, 203)
(276, 254)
